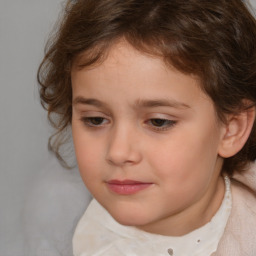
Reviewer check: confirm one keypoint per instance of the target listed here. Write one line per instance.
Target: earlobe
(236, 132)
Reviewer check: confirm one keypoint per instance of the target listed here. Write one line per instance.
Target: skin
(135, 118)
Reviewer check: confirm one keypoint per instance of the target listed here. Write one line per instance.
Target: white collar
(97, 234)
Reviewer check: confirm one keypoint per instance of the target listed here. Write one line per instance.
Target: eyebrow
(161, 103)
(139, 103)
(89, 101)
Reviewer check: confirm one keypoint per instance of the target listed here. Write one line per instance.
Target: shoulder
(240, 233)
(243, 206)
(244, 194)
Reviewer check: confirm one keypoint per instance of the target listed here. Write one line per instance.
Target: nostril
(121, 148)
(118, 156)
(123, 155)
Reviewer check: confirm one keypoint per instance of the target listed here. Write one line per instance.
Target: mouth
(127, 187)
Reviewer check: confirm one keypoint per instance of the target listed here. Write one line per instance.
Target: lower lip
(127, 189)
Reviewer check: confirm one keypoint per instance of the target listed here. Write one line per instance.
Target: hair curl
(215, 40)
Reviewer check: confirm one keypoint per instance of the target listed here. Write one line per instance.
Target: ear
(236, 132)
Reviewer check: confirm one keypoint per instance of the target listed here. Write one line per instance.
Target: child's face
(147, 140)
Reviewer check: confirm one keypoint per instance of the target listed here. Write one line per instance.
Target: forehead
(116, 50)
(122, 58)
(129, 76)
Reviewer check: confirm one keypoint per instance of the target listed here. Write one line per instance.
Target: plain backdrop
(37, 195)
(40, 202)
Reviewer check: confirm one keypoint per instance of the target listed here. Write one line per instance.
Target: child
(161, 99)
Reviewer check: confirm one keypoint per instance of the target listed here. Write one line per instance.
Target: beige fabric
(239, 238)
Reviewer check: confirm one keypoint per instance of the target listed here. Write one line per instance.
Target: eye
(94, 121)
(161, 124)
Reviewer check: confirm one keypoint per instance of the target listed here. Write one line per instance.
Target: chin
(129, 218)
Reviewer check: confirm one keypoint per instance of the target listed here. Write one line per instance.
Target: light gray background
(38, 198)
(25, 164)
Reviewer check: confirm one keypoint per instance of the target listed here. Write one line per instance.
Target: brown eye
(94, 121)
(160, 122)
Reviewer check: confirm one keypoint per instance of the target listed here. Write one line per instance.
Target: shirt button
(170, 251)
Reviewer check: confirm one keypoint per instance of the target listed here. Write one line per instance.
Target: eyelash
(165, 124)
(157, 124)
(88, 121)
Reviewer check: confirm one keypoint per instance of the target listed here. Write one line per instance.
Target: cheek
(88, 152)
(187, 155)
(88, 164)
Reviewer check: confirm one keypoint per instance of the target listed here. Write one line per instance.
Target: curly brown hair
(215, 40)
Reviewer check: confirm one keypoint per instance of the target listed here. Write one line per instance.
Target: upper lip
(126, 182)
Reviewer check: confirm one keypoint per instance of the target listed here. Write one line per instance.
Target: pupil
(97, 120)
(158, 122)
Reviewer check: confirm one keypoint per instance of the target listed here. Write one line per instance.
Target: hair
(215, 40)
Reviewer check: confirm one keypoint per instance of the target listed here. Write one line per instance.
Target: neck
(194, 217)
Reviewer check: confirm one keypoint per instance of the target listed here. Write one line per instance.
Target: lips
(127, 187)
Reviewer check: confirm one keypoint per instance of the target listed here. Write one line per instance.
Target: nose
(123, 147)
